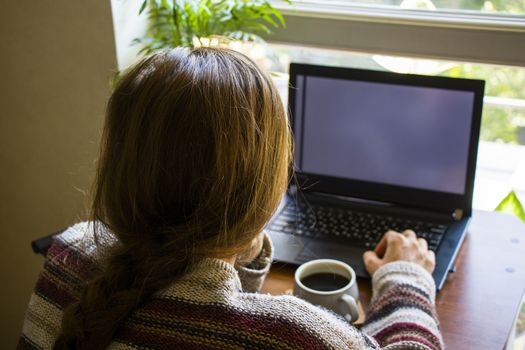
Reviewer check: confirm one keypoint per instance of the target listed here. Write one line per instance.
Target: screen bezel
(406, 196)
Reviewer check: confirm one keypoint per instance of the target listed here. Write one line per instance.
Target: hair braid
(127, 279)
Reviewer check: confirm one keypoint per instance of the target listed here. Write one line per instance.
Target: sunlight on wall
(126, 30)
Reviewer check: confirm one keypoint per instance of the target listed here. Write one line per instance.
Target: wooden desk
(478, 304)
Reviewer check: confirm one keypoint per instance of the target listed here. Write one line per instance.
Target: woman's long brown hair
(194, 160)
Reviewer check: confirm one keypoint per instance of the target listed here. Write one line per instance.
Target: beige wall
(56, 58)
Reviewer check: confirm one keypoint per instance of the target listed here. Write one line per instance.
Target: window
(488, 6)
(408, 30)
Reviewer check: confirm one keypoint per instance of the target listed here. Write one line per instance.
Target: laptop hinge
(458, 214)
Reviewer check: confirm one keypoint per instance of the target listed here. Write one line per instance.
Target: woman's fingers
(409, 234)
(381, 246)
(431, 256)
(372, 261)
(423, 243)
(395, 246)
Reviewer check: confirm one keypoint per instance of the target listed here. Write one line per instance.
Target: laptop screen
(402, 135)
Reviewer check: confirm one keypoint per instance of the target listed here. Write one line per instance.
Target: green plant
(511, 204)
(192, 23)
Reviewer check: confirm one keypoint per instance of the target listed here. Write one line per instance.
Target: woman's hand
(246, 257)
(395, 246)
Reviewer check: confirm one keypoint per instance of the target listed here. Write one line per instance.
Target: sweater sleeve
(252, 275)
(402, 313)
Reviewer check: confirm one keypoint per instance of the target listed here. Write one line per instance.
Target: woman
(194, 162)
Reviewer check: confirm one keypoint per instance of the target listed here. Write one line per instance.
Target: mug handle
(352, 313)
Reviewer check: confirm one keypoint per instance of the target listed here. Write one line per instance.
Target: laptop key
(289, 229)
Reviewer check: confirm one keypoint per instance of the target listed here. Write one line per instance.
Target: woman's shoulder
(78, 234)
(316, 321)
(85, 238)
(75, 255)
(249, 319)
(69, 263)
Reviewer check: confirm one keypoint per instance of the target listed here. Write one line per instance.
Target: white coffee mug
(342, 300)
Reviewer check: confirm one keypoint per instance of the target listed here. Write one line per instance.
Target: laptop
(376, 151)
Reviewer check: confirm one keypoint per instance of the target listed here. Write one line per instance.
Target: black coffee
(325, 282)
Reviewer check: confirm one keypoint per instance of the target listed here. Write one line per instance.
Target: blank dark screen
(400, 135)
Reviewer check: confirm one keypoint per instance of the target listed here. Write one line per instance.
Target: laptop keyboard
(353, 227)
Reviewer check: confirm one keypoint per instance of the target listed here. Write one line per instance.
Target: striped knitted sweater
(215, 306)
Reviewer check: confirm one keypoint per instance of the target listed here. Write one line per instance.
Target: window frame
(459, 36)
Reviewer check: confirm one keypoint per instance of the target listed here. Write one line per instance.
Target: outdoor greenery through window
(488, 6)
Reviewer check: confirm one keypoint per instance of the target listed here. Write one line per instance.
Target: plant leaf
(280, 17)
(511, 204)
(179, 22)
(143, 6)
(270, 20)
